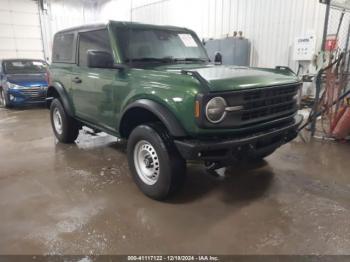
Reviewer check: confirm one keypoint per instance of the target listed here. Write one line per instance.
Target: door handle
(77, 80)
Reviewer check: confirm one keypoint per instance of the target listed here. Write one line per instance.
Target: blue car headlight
(14, 86)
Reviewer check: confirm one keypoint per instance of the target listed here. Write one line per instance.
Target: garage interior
(80, 199)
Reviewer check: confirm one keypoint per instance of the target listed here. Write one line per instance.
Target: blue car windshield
(152, 45)
(25, 67)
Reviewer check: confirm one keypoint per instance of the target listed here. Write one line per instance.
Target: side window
(94, 40)
(64, 48)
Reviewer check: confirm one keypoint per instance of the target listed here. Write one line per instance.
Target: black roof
(83, 27)
(96, 26)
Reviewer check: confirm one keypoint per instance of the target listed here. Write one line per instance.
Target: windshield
(160, 45)
(25, 67)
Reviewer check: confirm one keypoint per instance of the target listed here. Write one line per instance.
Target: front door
(95, 90)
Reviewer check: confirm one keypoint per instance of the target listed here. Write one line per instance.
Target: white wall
(68, 13)
(20, 32)
(61, 14)
(271, 25)
(119, 10)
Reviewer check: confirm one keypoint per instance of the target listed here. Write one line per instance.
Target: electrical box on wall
(304, 48)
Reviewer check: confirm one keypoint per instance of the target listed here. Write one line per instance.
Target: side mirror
(99, 59)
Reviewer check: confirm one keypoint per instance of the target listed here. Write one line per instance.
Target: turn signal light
(196, 109)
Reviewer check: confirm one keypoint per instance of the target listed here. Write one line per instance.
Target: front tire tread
(172, 165)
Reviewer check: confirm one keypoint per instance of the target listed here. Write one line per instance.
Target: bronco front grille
(270, 102)
(259, 105)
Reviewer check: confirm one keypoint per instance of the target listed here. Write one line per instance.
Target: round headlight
(215, 110)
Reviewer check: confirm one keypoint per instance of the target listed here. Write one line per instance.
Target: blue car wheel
(3, 100)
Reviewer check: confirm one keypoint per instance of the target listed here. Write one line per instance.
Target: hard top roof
(97, 26)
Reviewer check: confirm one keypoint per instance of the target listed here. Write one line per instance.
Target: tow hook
(215, 169)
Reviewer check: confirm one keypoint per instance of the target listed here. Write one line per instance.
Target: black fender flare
(58, 87)
(164, 114)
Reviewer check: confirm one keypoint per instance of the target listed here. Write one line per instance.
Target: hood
(228, 78)
(28, 80)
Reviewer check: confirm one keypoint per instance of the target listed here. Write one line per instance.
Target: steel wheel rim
(57, 121)
(146, 162)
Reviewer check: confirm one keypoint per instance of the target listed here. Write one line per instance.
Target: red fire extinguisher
(342, 127)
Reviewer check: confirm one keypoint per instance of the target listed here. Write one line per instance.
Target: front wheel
(155, 164)
(3, 100)
(66, 128)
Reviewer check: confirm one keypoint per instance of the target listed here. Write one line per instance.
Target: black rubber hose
(324, 110)
(312, 117)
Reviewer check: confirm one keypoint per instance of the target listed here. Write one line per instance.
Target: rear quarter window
(64, 48)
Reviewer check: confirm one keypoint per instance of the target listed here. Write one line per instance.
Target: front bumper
(239, 147)
(18, 97)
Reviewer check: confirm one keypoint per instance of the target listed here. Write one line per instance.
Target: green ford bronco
(155, 87)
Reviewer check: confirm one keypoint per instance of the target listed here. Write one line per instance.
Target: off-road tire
(69, 126)
(172, 167)
(3, 101)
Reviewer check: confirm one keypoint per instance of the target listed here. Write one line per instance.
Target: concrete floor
(80, 199)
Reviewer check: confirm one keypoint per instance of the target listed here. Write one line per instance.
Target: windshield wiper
(190, 59)
(150, 59)
(166, 59)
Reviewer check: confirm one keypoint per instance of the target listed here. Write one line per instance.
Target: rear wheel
(156, 166)
(66, 128)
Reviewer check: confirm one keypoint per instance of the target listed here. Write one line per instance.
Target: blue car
(22, 82)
